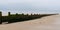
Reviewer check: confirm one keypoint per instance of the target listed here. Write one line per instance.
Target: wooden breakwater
(20, 17)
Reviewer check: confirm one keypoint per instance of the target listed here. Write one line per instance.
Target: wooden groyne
(20, 17)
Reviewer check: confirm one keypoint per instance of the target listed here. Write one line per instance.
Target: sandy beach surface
(45, 23)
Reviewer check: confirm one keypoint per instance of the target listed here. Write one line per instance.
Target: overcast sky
(30, 6)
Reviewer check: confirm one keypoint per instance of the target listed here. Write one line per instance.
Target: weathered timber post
(31, 14)
(9, 17)
(16, 14)
(0, 17)
(8, 13)
(22, 13)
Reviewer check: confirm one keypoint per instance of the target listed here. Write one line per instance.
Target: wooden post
(31, 14)
(16, 14)
(9, 16)
(0, 17)
(22, 13)
(8, 13)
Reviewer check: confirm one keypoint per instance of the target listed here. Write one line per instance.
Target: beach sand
(45, 23)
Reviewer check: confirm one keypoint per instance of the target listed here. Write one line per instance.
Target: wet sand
(45, 23)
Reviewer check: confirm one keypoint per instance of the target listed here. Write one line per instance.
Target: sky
(30, 6)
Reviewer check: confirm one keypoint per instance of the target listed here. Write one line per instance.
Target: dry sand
(45, 23)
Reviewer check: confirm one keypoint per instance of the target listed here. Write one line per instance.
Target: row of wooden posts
(19, 17)
(17, 14)
(14, 15)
